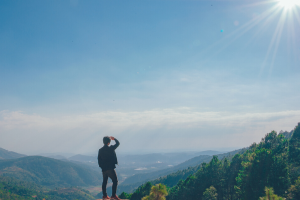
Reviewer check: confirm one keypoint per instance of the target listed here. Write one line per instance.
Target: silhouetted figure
(107, 160)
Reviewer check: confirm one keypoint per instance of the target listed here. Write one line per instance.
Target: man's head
(106, 140)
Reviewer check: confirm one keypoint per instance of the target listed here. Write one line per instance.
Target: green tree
(270, 195)
(158, 192)
(212, 173)
(294, 154)
(124, 195)
(294, 146)
(210, 193)
(230, 176)
(294, 190)
(141, 191)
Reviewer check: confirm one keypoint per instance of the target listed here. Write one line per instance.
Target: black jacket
(107, 158)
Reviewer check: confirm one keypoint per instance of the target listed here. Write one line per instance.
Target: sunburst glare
(288, 3)
(284, 12)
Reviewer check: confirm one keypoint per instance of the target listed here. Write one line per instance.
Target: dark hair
(106, 140)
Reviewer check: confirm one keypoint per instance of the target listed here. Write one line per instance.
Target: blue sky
(221, 72)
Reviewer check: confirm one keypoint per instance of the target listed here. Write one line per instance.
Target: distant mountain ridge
(165, 157)
(5, 154)
(83, 158)
(57, 156)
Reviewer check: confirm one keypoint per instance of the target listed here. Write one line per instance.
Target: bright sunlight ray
(288, 3)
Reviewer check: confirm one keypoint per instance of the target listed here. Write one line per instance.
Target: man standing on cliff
(107, 160)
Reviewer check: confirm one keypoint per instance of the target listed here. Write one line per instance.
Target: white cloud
(34, 132)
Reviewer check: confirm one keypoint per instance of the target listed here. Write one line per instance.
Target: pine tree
(124, 195)
(158, 192)
(294, 146)
(270, 195)
(210, 193)
(294, 191)
(294, 154)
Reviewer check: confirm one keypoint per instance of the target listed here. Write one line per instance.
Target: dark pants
(113, 176)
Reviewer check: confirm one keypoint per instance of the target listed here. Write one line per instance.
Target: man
(107, 160)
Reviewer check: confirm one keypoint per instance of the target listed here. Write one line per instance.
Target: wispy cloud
(82, 131)
(173, 117)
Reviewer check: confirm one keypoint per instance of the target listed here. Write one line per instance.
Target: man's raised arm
(117, 143)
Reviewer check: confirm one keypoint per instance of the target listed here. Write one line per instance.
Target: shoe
(105, 197)
(115, 197)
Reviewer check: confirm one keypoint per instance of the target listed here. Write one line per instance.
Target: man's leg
(104, 183)
(113, 175)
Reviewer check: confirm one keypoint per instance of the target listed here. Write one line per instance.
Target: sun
(288, 3)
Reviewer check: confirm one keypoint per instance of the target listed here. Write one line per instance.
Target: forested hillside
(49, 172)
(274, 162)
(172, 179)
(171, 174)
(11, 188)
